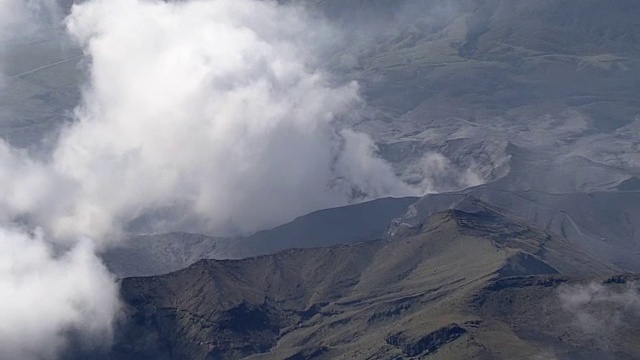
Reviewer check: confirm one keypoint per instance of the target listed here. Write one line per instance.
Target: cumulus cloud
(47, 294)
(208, 115)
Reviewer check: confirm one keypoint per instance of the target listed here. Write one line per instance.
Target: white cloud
(212, 111)
(45, 295)
(47, 292)
(208, 115)
(435, 173)
(200, 115)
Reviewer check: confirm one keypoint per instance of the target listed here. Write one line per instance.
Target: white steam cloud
(435, 173)
(209, 115)
(46, 295)
(47, 292)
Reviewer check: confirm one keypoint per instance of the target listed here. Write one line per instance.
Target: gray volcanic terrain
(486, 154)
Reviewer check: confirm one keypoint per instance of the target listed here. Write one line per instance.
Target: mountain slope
(604, 223)
(163, 253)
(428, 292)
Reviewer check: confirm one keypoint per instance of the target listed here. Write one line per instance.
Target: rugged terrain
(470, 282)
(518, 118)
(163, 253)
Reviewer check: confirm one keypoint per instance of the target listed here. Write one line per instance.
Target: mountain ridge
(411, 296)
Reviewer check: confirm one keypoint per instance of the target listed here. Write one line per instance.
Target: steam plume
(208, 115)
(46, 295)
(202, 115)
(47, 292)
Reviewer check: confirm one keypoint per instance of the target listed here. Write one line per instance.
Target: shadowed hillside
(163, 253)
(466, 283)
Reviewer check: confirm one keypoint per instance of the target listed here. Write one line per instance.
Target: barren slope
(429, 293)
